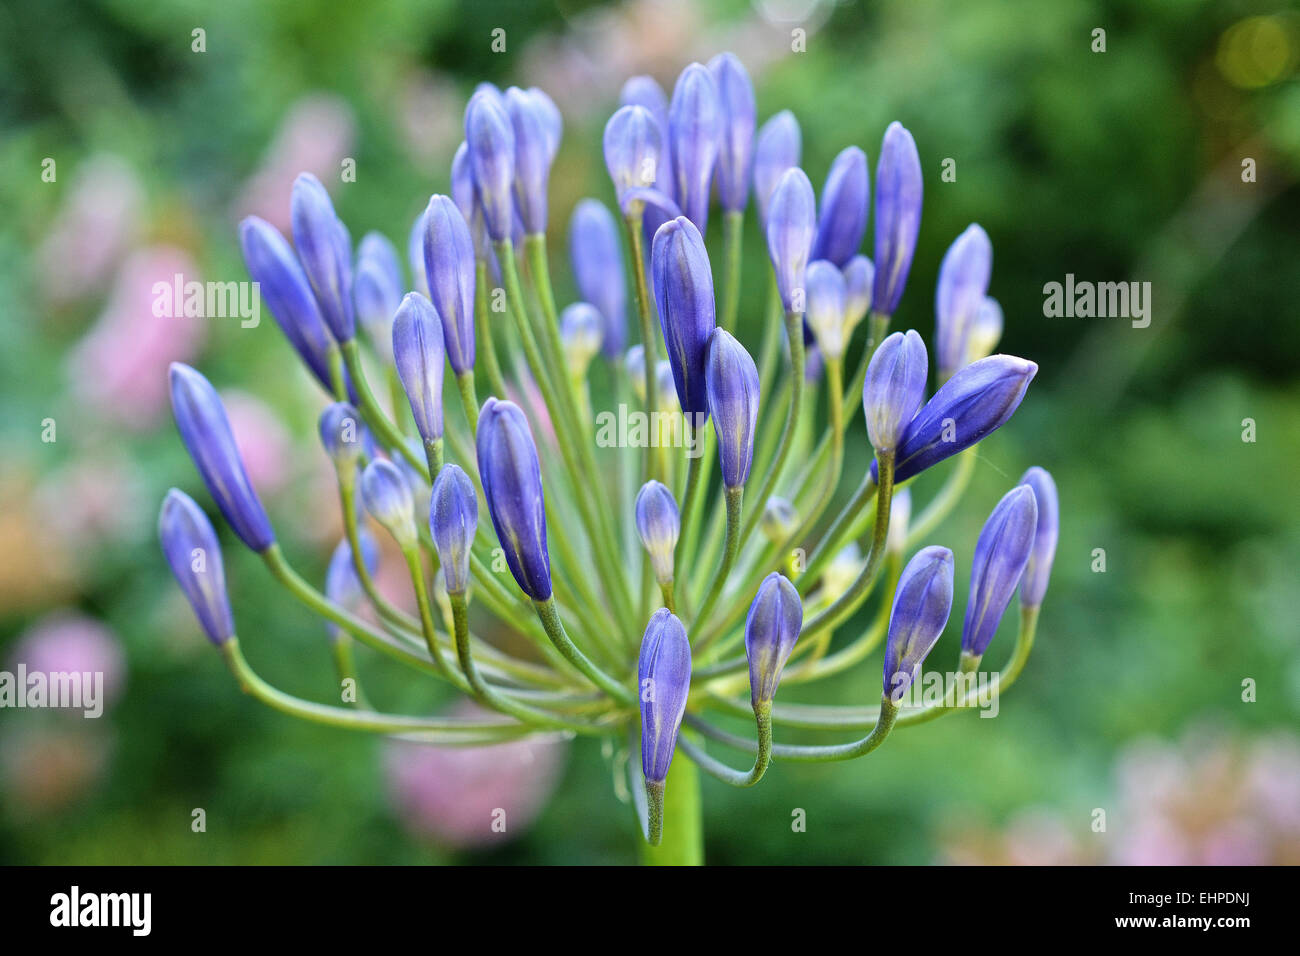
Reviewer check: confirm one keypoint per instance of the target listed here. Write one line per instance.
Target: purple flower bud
(453, 522)
(598, 270)
(645, 91)
(490, 137)
(791, 215)
(985, 330)
(664, 679)
(377, 290)
(694, 129)
(778, 148)
(843, 219)
(1001, 554)
(274, 266)
(418, 354)
(826, 303)
(966, 409)
(779, 519)
(859, 277)
(634, 366)
(963, 283)
(191, 548)
(683, 284)
(922, 604)
(894, 389)
(342, 586)
(898, 215)
(633, 147)
(449, 269)
(552, 119)
(1033, 586)
(205, 430)
(736, 144)
(512, 485)
(582, 328)
(342, 435)
(731, 380)
(326, 252)
(667, 387)
(533, 154)
(387, 496)
(658, 523)
(771, 629)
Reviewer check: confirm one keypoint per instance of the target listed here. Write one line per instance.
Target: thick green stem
(682, 828)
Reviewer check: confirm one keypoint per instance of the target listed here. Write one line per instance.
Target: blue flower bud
(826, 303)
(645, 91)
(771, 629)
(326, 252)
(552, 119)
(343, 435)
(658, 523)
(683, 284)
(377, 290)
(449, 270)
(598, 270)
(667, 387)
(453, 522)
(843, 219)
(387, 496)
(205, 430)
(418, 354)
(694, 128)
(898, 216)
(922, 604)
(417, 479)
(490, 137)
(633, 148)
(985, 330)
(731, 380)
(342, 586)
(634, 366)
(859, 277)
(778, 148)
(1001, 553)
(963, 284)
(894, 389)
(791, 215)
(736, 144)
(966, 409)
(664, 679)
(190, 545)
(582, 328)
(1033, 586)
(779, 519)
(533, 153)
(274, 266)
(512, 484)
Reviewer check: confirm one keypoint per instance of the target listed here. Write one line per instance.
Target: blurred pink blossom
(69, 642)
(264, 443)
(94, 499)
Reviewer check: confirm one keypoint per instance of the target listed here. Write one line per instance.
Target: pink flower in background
(119, 369)
(452, 794)
(92, 230)
(264, 443)
(429, 113)
(95, 498)
(68, 642)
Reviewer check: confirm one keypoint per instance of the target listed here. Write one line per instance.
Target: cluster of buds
(610, 651)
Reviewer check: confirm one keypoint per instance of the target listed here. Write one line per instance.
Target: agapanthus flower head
(1033, 585)
(536, 140)
(779, 519)
(1001, 553)
(634, 146)
(597, 261)
(418, 354)
(771, 630)
(985, 330)
(683, 287)
(275, 268)
(694, 129)
(791, 224)
(582, 329)
(490, 137)
(512, 484)
(387, 497)
(342, 586)
(859, 277)
(205, 430)
(963, 284)
(664, 681)
(966, 409)
(899, 192)
(842, 221)
(920, 612)
(777, 148)
(377, 290)
(658, 523)
(343, 436)
(190, 545)
(325, 250)
(736, 144)
(453, 522)
(894, 389)
(826, 302)
(731, 382)
(449, 270)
